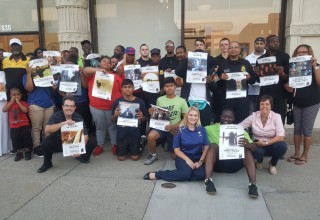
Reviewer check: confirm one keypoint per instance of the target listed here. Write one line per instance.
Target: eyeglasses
(69, 106)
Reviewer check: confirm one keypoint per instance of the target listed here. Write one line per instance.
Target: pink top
(273, 127)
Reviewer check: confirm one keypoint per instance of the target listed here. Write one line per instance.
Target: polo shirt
(191, 143)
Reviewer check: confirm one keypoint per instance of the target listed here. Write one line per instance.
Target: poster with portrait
(228, 142)
(236, 85)
(41, 73)
(69, 78)
(300, 71)
(160, 118)
(150, 79)
(177, 79)
(53, 57)
(72, 137)
(267, 71)
(128, 112)
(3, 94)
(103, 85)
(133, 72)
(197, 67)
(56, 71)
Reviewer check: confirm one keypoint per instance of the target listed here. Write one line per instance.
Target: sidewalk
(110, 189)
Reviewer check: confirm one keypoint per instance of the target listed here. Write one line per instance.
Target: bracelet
(316, 68)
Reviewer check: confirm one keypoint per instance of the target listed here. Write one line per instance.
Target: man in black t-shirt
(144, 60)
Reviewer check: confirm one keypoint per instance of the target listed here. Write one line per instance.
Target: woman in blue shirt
(190, 146)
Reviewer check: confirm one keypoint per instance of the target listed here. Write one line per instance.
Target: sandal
(301, 161)
(292, 159)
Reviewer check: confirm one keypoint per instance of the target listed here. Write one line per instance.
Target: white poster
(150, 79)
(103, 85)
(41, 73)
(267, 71)
(236, 85)
(133, 72)
(300, 72)
(72, 137)
(128, 112)
(53, 57)
(228, 142)
(3, 94)
(197, 67)
(160, 118)
(69, 78)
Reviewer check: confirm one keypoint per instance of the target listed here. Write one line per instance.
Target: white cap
(15, 41)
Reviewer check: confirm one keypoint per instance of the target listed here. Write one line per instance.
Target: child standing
(19, 124)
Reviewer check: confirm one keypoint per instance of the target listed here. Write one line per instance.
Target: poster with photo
(56, 71)
(53, 57)
(133, 72)
(72, 137)
(41, 73)
(236, 85)
(92, 60)
(177, 79)
(300, 72)
(69, 78)
(160, 118)
(197, 67)
(228, 142)
(128, 112)
(103, 85)
(150, 79)
(267, 71)
(3, 94)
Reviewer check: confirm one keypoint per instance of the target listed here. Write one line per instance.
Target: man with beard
(277, 91)
(15, 67)
(119, 53)
(169, 61)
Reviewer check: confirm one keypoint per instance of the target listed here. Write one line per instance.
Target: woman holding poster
(190, 145)
(104, 87)
(305, 107)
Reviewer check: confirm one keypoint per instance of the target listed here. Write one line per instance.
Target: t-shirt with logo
(18, 118)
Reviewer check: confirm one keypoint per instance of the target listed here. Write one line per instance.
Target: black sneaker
(143, 142)
(253, 190)
(37, 151)
(13, 152)
(27, 155)
(18, 156)
(210, 188)
(44, 168)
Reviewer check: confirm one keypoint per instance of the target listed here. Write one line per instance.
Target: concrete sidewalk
(110, 189)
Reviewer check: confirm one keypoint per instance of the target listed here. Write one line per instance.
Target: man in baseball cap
(155, 56)
(15, 41)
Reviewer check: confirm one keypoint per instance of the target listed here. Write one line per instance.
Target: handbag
(290, 118)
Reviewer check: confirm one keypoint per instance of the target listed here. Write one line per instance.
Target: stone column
(73, 27)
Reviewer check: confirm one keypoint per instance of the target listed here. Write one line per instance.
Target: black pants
(84, 110)
(53, 143)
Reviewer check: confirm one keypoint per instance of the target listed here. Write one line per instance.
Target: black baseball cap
(155, 51)
(262, 39)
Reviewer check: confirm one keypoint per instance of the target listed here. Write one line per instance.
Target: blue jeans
(276, 151)
(182, 173)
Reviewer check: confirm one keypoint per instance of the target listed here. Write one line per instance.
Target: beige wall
(303, 27)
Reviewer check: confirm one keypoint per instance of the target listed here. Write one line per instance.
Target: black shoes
(146, 176)
(253, 190)
(210, 188)
(13, 152)
(82, 159)
(37, 151)
(19, 156)
(44, 168)
(27, 155)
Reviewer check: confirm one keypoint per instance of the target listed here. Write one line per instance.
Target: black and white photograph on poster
(53, 57)
(56, 72)
(236, 85)
(197, 67)
(300, 71)
(3, 94)
(177, 79)
(267, 71)
(228, 142)
(93, 60)
(103, 85)
(41, 73)
(150, 79)
(160, 118)
(128, 112)
(72, 138)
(69, 78)
(133, 72)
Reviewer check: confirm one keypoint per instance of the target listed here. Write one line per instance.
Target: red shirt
(18, 118)
(103, 104)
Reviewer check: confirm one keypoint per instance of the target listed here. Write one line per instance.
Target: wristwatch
(266, 143)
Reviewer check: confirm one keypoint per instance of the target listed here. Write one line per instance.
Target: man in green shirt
(229, 166)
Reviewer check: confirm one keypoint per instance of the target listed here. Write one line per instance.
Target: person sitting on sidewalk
(212, 161)
(177, 107)
(190, 145)
(128, 138)
(53, 142)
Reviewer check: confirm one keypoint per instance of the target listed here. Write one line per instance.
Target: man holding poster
(232, 165)
(53, 143)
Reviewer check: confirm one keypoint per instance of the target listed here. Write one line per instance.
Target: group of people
(192, 136)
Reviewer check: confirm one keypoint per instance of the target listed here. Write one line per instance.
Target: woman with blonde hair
(190, 146)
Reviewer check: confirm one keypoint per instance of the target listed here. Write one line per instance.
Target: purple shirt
(272, 128)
